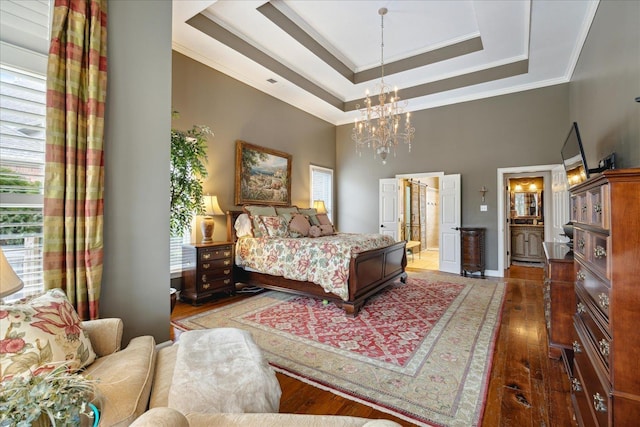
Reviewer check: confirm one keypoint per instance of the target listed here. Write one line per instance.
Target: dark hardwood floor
(526, 387)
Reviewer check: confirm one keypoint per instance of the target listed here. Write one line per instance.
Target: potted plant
(51, 396)
(188, 169)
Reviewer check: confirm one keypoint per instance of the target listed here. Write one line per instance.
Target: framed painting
(263, 175)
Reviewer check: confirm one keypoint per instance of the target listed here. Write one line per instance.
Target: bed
(368, 272)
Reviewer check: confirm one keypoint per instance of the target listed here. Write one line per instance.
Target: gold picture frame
(263, 175)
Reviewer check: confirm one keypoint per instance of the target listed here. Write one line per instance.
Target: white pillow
(243, 226)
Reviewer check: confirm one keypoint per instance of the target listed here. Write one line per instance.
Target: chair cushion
(124, 381)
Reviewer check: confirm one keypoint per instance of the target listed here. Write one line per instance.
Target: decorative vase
(206, 226)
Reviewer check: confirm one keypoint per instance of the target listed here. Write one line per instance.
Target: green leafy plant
(54, 395)
(188, 169)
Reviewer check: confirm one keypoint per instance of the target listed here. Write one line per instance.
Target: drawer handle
(604, 347)
(206, 286)
(204, 277)
(227, 262)
(227, 281)
(227, 271)
(577, 348)
(581, 243)
(584, 209)
(207, 265)
(603, 299)
(597, 208)
(598, 403)
(228, 253)
(581, 308)
(575, 384)
(580, 275)
(599, 252)
(206, 256)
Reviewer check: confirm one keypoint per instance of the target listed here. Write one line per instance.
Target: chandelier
(379, 125)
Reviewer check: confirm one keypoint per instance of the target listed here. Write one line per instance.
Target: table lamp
(9, 281)
(211, 207)
(319, 206)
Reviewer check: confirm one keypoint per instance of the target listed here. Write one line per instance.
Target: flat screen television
(575, 163)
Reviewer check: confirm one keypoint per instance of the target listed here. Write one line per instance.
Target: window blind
(322, 187)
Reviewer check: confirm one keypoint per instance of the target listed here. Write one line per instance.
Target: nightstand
(209, 270)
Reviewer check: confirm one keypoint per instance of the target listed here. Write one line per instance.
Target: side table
(209, 270)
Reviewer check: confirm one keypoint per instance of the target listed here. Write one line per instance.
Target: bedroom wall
(606, 81)
(472, 139)
(235, 111)
(135, 284)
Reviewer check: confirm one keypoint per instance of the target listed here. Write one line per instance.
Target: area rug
(421, 351)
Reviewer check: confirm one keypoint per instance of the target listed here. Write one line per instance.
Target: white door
(560, 212)
(388, 213)
(450, 221)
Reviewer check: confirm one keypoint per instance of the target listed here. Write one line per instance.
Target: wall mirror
(526, 204)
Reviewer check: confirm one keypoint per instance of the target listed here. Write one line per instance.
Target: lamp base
(207, 226)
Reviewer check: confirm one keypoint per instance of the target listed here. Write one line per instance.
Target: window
(24, 43)
(175, 252)
(322, 187)
(22, 143)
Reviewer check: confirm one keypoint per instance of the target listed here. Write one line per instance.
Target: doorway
(419, 219)
(526, 218)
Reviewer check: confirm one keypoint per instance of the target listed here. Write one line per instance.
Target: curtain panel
(74, 170)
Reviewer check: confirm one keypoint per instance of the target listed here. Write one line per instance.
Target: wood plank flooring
(526, 387)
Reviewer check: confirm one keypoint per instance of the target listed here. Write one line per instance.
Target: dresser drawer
(599, 338)
(597, 290)
(598, 207)
(581, 243)
(215, 253)
(579, 399)
(598, 253)
(595, 387)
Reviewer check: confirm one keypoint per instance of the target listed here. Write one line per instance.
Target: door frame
(502, 217)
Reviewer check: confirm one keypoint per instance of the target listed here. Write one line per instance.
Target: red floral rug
(421, 351)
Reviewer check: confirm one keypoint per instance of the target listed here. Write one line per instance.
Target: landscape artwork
(263, 175)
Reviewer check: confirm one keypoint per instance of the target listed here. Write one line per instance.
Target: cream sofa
(134, 385)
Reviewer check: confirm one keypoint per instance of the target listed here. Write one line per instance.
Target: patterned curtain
(74, 172)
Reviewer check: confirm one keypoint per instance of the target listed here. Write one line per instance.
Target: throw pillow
(276, 226)
(243, 226)
(286, 209)
(40, 333)
(326, 230)
(314, 231)
(299, 226)
(254, 212)
(312, 214)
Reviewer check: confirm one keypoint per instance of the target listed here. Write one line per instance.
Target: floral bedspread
(322, 260)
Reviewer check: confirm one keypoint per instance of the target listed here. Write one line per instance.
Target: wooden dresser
(559, 300)
(209, 271)
(606, 343)
(472, 250)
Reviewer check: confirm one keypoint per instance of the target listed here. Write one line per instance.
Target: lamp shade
(9, 280)
(211, 206)
(319, 206)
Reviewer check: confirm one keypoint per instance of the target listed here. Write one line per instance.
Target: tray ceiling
(321, 56)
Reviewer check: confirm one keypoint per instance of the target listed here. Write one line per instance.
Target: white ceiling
(314, 50)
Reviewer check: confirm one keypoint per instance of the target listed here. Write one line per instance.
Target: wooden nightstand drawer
(215, 253)
(215, 264)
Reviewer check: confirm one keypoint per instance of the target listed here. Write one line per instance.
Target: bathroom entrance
(526, 218)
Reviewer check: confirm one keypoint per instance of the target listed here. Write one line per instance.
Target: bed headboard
(232, 215)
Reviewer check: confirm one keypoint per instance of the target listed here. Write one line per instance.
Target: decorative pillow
(286, 210)
(276, 226)
(243, 226)
(311, 213)
(43, 331)
(326, 230)
(323, 219)
(314, 231)
(299, 226)
(254, 212)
